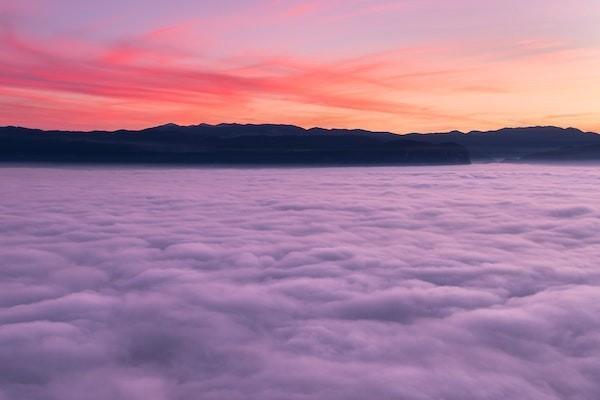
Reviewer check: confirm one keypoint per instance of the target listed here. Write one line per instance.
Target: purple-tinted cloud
(475, 282)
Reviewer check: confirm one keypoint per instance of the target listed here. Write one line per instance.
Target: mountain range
(288, 144)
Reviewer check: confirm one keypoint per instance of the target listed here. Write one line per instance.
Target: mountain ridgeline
(543, 143)
(226, 144)
(230, 144)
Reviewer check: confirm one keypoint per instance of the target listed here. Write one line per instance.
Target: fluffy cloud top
(475, 282)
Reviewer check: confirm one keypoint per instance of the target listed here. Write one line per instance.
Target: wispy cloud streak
(357, 62)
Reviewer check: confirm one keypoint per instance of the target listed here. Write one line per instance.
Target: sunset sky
(402, 66)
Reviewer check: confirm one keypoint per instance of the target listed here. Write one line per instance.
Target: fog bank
(477, 282)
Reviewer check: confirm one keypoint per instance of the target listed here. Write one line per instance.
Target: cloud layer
(476, 282)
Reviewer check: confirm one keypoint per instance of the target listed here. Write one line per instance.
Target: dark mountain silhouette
(513, 143)
(288, 144)
(225, 144)
(589, 153)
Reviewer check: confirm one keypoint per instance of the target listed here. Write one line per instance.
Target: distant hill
(513, 143)
(225, 144)
(588, 153)
(288, 144)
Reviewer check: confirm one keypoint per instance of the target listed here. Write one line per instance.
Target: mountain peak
(169, 125)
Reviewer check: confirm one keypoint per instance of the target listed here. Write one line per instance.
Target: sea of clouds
(454, 283)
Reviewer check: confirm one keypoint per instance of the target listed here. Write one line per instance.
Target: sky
(401, 66)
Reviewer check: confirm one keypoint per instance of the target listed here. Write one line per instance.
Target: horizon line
(297, 126)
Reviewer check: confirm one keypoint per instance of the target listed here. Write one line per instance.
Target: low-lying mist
(474, 282)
